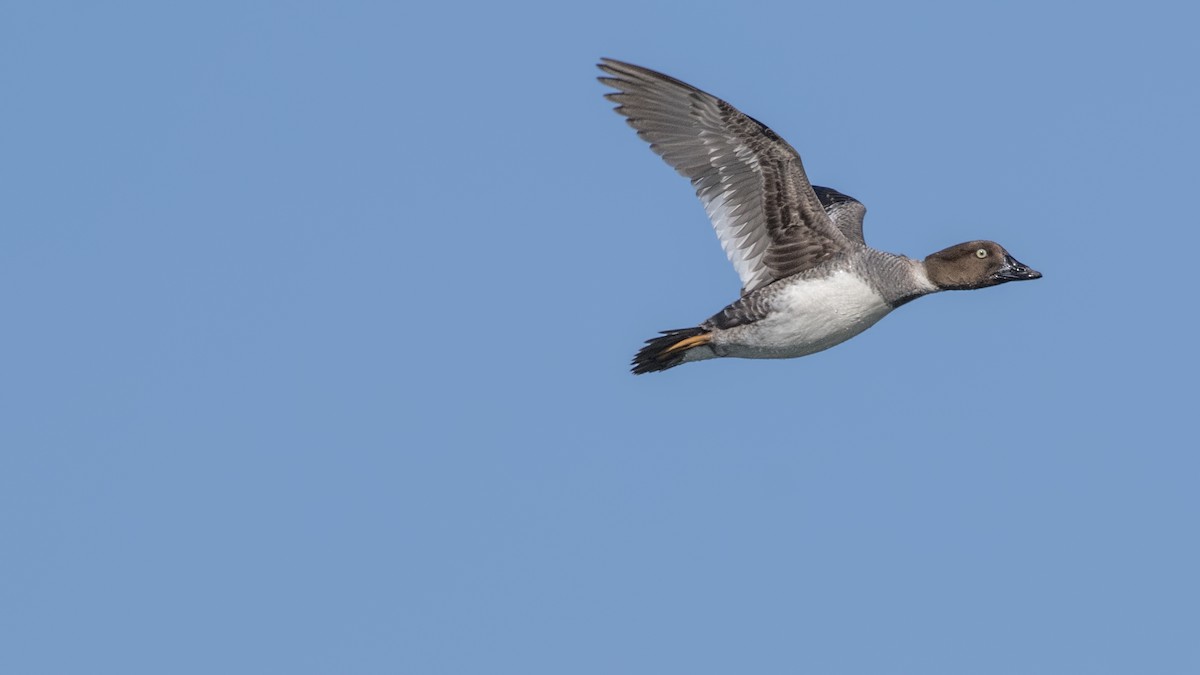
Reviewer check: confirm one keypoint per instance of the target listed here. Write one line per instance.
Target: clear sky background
(317, 320)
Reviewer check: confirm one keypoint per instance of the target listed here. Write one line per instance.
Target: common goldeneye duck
(809, 280)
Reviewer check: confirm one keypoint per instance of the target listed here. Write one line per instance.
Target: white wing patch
(735, 214)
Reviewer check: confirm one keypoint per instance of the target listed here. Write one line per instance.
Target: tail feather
(669, 349)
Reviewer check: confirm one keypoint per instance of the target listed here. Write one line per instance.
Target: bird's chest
(808, 316)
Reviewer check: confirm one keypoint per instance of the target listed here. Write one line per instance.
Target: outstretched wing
(751, 182)
(846, 211)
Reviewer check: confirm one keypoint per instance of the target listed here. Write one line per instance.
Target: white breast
(809, 316)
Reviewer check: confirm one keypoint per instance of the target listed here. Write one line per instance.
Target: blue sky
(317, 320)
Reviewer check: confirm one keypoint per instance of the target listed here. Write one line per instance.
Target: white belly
(808, 316)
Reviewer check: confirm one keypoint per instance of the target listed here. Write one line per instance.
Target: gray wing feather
(846, 211)
(750, 181)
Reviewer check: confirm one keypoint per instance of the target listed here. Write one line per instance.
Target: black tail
(668, 350)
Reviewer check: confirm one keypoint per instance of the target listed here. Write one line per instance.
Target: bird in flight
(809, 280)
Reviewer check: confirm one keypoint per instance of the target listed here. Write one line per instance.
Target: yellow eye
(981, 253)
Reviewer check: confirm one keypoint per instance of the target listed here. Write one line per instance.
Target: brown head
(975, 264)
